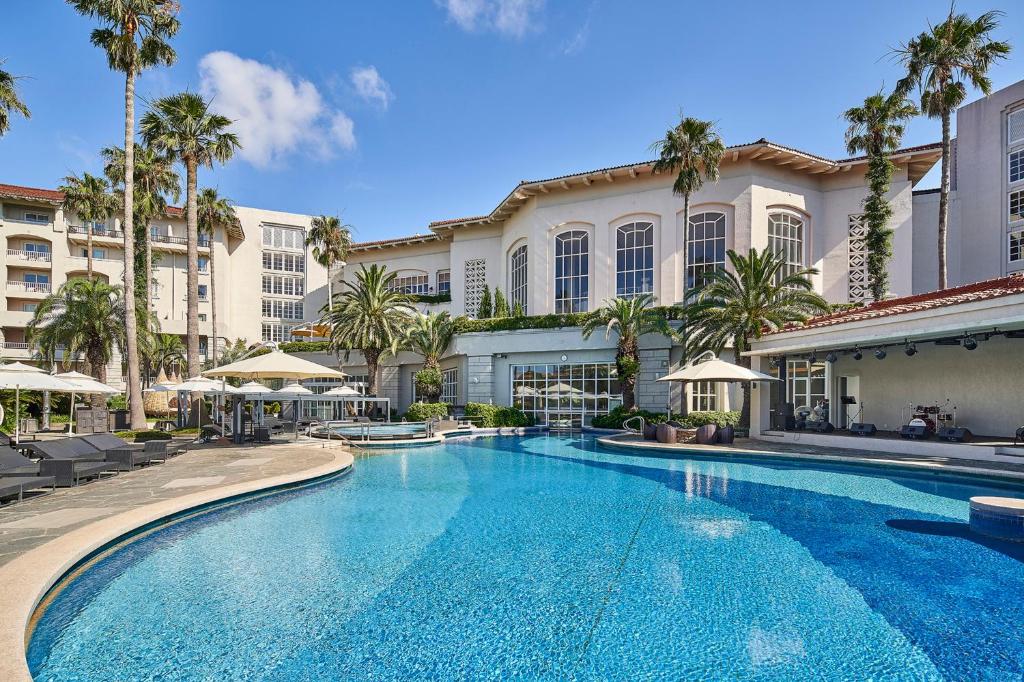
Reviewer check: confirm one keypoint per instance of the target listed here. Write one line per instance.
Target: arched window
(634, 260)
(786, 236)
(705, 246)
(572, 271)
(517, 287)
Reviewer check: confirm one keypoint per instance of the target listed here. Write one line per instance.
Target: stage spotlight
(813, 357)
(880, 354)
(970, 343)
(910, 349)
(773, 362)
(857, 355)
(831, 357)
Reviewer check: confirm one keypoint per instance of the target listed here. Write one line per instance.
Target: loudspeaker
(858, 429)
(914, 432)
(820, 427)
(955, 434)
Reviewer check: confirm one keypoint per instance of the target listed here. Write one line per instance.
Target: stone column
(651, 394)
(480, 379)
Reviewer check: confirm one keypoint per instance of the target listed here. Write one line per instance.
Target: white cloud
(274, 114)
(514, 18)
(578, 42)
(370, 86)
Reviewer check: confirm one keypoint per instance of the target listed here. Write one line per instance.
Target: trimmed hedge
(719, 418)
(143, 436)
(421, 412)
(430, 298)
(494, 416)
(498, 324)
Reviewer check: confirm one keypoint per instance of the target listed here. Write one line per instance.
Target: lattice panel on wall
(859, 291)
(1015, 126)
(476, 282)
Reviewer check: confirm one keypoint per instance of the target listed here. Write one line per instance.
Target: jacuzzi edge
(29, 579)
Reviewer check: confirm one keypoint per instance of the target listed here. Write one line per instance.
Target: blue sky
(394, 114)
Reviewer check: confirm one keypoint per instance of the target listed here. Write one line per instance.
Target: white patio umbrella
(18, 375)
(295, 393)
(84, 384)
(346, 391)
(716, 370)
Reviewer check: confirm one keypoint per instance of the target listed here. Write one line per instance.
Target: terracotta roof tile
(395, 241)
(968, 293)
(19, 192)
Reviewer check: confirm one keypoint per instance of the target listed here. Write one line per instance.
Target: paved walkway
(37, 520)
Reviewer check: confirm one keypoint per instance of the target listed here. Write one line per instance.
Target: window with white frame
(1016, 164)
(203, 263)
(517, 283)
(705, 246)
(450, 385)
(444, 281)
(786, 237)
(410, 284)
(287, 238)
(33, 217)
(202, 292)
(703, 396)
(1016, 205)
(634, 259)
(572, 272)
(1015, 126)
(283, 285)
(476, 282)
(277, 332)
(283, 262)
(1016, 247)
(278, 309)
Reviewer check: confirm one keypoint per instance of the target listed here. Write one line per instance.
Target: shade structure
(20, 367)
(253, 389)
(86, 385)
(311, 330)
(344, 391)
(716, 370)
(274, 365)
(198, 384)
(162, 387)
(31, 379)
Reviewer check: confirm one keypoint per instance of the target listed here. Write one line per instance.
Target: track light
(813, 357)
(970, 343)
(831, 357)
(880, 353)
(857, 355)
(910, 350)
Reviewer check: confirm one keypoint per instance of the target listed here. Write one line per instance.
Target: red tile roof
(19, 192)
(395, 241)
(968, 293)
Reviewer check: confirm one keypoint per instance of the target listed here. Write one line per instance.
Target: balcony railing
(29, 287)
(168, 239)
(40, 256)
(14, 345)
(96, 232)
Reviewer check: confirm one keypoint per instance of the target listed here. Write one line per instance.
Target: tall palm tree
(9, 100)
(940, 63)
(214, 210)
(90, 199)
(156, 181)
(733, 307)
(629, 319)
(169, 354)
(369, 316)
(87, 317)
(876, 129)
(331, 240)
(693, 151)
(183, 127)
(134, 35)
(429, 335)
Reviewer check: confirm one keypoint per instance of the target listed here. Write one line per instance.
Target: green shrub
(117, 402)
(614, 419)
(717, 417)
(498, 324)
(493, 416)
(500, 304)
(143, 436)
(486, 310)
(430, 298)
(428, 382)
(421, 412)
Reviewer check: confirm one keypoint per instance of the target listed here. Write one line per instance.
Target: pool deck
(43, 537)
(752, 449)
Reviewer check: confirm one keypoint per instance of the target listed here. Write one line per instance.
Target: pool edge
(28, 579)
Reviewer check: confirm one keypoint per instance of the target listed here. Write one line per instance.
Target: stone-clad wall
(480, 382)
(650, 393)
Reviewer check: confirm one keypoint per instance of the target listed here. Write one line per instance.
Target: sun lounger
(14, 464)
(128, 455)
(17, 486)
(71, 460)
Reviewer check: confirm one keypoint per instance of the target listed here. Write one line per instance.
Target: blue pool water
(551, 558)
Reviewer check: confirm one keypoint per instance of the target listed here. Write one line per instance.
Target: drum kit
(932, 420)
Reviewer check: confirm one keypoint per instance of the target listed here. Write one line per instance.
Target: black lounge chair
(71, 460)
(11, 486)
(14, 464)
(128, 455)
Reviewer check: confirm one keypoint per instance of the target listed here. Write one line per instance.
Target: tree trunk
(149, 270)
(372, 360)
(213, 299)
(686, 242)
(97, 368)
(138, 412)
(944, 198)
(88, 249)
(192, 283)
(627, 350)
(742, 361)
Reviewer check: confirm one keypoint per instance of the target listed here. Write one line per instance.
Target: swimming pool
(545, 557)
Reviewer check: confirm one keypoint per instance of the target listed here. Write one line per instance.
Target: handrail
(643, 424)
(29, 255)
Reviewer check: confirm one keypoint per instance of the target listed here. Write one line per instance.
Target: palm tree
(369, 316)
(90, 199)
(9, 100)
(214, 210)
(940, 62)
(134, 35)
(85, 316)
(168, 354)
(629, 318)
(156, 181)
(183, 127)
(876, 129)
(331, 239)
(737, 305)
(693, 150)
(429, 335)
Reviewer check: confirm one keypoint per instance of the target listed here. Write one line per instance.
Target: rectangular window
(31, 217)
(286, 238)
(1017, 206)
(202, 292)
(278, 285)
(29, 307)
(806, 384)
(1017, 165)
(705, 247)
(410, 284)
(786, 237)
(634, 260)
(1015, 126)
(268, 284)
(203, 263)
(1017, 247)
(268, 308)
(703, 396)
(444, 281)
(450, 385)
(572, 272)
(565, 393)
(202, 317)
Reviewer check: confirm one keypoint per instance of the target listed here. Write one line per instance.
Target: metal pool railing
(354, 432)
(643, 424)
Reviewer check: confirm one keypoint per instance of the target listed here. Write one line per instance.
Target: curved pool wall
(549, 557)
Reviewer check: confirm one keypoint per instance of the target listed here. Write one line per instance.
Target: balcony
(82, 231)
(28, 288)
(29, 259)
(25, 351)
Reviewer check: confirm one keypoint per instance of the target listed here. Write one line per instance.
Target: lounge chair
(11, 486)
(71, 462)
(14, 464)
(128, 455)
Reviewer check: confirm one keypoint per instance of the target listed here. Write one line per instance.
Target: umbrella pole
(17, 415)
(223, 414)
(71, 417)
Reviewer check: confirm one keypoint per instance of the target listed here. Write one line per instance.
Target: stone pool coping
(1013, 473)
(27, 579)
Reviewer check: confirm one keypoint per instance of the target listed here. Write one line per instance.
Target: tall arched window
(634, 260)
(572, 272)
(786, 236)
(517, 287)
(705, 246)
